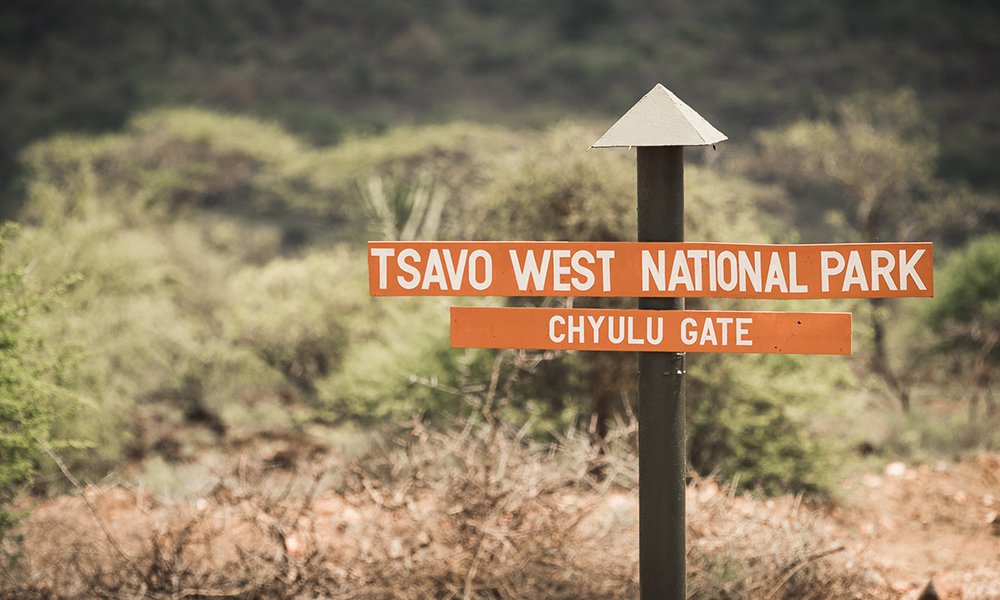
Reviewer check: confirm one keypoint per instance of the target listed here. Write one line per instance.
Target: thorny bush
(477, 512)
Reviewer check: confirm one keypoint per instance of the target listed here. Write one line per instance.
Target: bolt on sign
(685, 269)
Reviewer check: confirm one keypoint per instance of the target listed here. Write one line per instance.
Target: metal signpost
(661, 269)
(660, 125)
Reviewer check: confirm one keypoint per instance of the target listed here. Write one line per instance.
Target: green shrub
(144, 316)
(24, 412)
(750, 417)
(31, 397)
(965, 314)
(141, 321)
(297, 315)
(968, 286)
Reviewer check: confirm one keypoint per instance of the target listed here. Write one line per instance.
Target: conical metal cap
(660, 119)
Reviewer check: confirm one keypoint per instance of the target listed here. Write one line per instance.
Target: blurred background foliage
(218, 269)
(328, 70)
(199, 181)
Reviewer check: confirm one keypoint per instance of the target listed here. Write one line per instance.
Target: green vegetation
(870, 165)
(23, 424)
(222, 288)
(32, 399)
(194, 185)
(328, 69)
(967, 315)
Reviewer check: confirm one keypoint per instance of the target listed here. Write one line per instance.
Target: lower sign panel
(651, 330)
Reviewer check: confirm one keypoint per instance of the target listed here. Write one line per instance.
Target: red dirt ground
(929, 522)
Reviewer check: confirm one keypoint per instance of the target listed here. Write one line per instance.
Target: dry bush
(742, 548)
(480, 512)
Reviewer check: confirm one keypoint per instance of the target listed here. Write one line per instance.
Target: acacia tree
(871, 160)
(966, 312)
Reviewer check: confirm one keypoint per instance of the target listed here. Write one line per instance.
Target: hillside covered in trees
(326, 69)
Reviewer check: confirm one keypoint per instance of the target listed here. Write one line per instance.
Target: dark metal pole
(662, 551)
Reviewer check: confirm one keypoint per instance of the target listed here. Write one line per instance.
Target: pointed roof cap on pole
(660, 119)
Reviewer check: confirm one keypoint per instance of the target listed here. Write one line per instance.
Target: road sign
(650, 269)
(660, 270)
(651, 331)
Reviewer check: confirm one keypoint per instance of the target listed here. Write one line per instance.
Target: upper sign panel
(660, 119)
(633, 269)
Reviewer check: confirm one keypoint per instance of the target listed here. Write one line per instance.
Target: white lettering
(531, 269)
(658, 271)
(558, 270)
(711, 270)
(455, 272)
(611, 330)
(698, 256)
(405, 266)
(711, 330)
(793, 276)
(649, 331)
(587, 283)
(688, 335)
(775, 276)
(383, 255)
(631, 338)
(679, 273)
(727, 256)
(753, 271)
(855, 273)
(596, 326)
(571, 329)
(740, 332)
(907, 269)
(605, 257)
(708, 334)
(552, 329)
(434, 273)
(487, 270)
(725, 322)
(826, 270)
(883, 271)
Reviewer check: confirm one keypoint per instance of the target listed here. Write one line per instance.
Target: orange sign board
(634, 269)
(651, 331)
